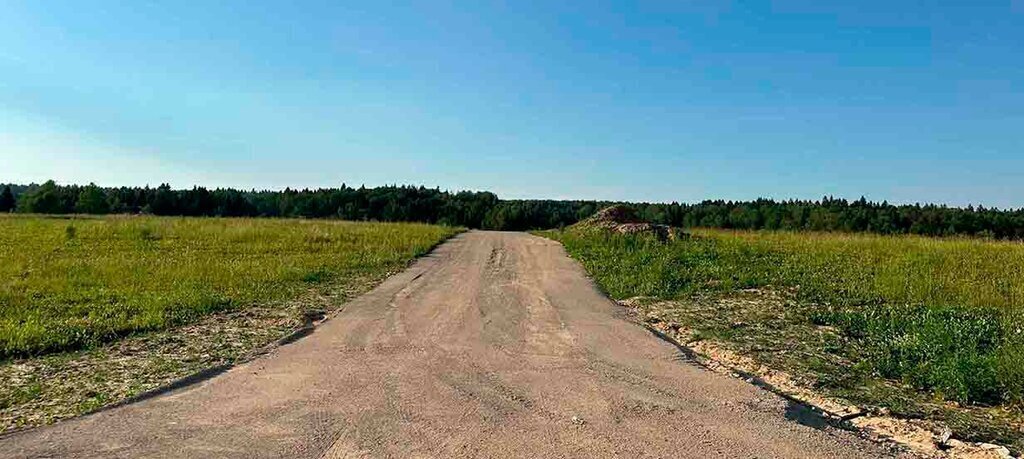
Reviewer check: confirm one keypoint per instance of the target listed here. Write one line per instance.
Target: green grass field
(69, 283)
(941, 315)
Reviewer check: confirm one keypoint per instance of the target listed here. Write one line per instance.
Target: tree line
(485, 210)
(386, 203)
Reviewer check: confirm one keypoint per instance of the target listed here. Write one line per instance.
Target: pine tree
(165, 201)
(7, 202)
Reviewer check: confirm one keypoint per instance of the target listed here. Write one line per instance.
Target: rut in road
(494, 345)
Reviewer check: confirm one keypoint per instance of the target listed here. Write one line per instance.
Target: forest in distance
(485, 210)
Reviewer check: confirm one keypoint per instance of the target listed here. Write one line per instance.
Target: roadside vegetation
(919, 326)
(94, 310)
(69, 283)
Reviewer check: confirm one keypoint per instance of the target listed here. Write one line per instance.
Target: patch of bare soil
(762, 336)
(46, 389)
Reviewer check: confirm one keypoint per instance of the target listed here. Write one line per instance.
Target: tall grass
(944, 315)
(69, 283)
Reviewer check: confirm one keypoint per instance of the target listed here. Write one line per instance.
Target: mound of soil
(616, 214)
(623, 219)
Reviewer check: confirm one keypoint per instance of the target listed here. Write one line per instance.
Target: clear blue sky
(661, 101)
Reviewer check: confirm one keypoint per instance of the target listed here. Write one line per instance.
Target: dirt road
(495, 345)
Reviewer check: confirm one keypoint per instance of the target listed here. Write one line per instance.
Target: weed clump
(952, 351)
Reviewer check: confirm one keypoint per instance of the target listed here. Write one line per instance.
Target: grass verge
(919, 327)
(117, 306)
(72, 283)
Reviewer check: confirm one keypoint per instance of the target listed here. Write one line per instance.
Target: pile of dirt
(616, 214)
(623, 219)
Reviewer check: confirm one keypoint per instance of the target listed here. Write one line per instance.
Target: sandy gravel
(495, 345)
